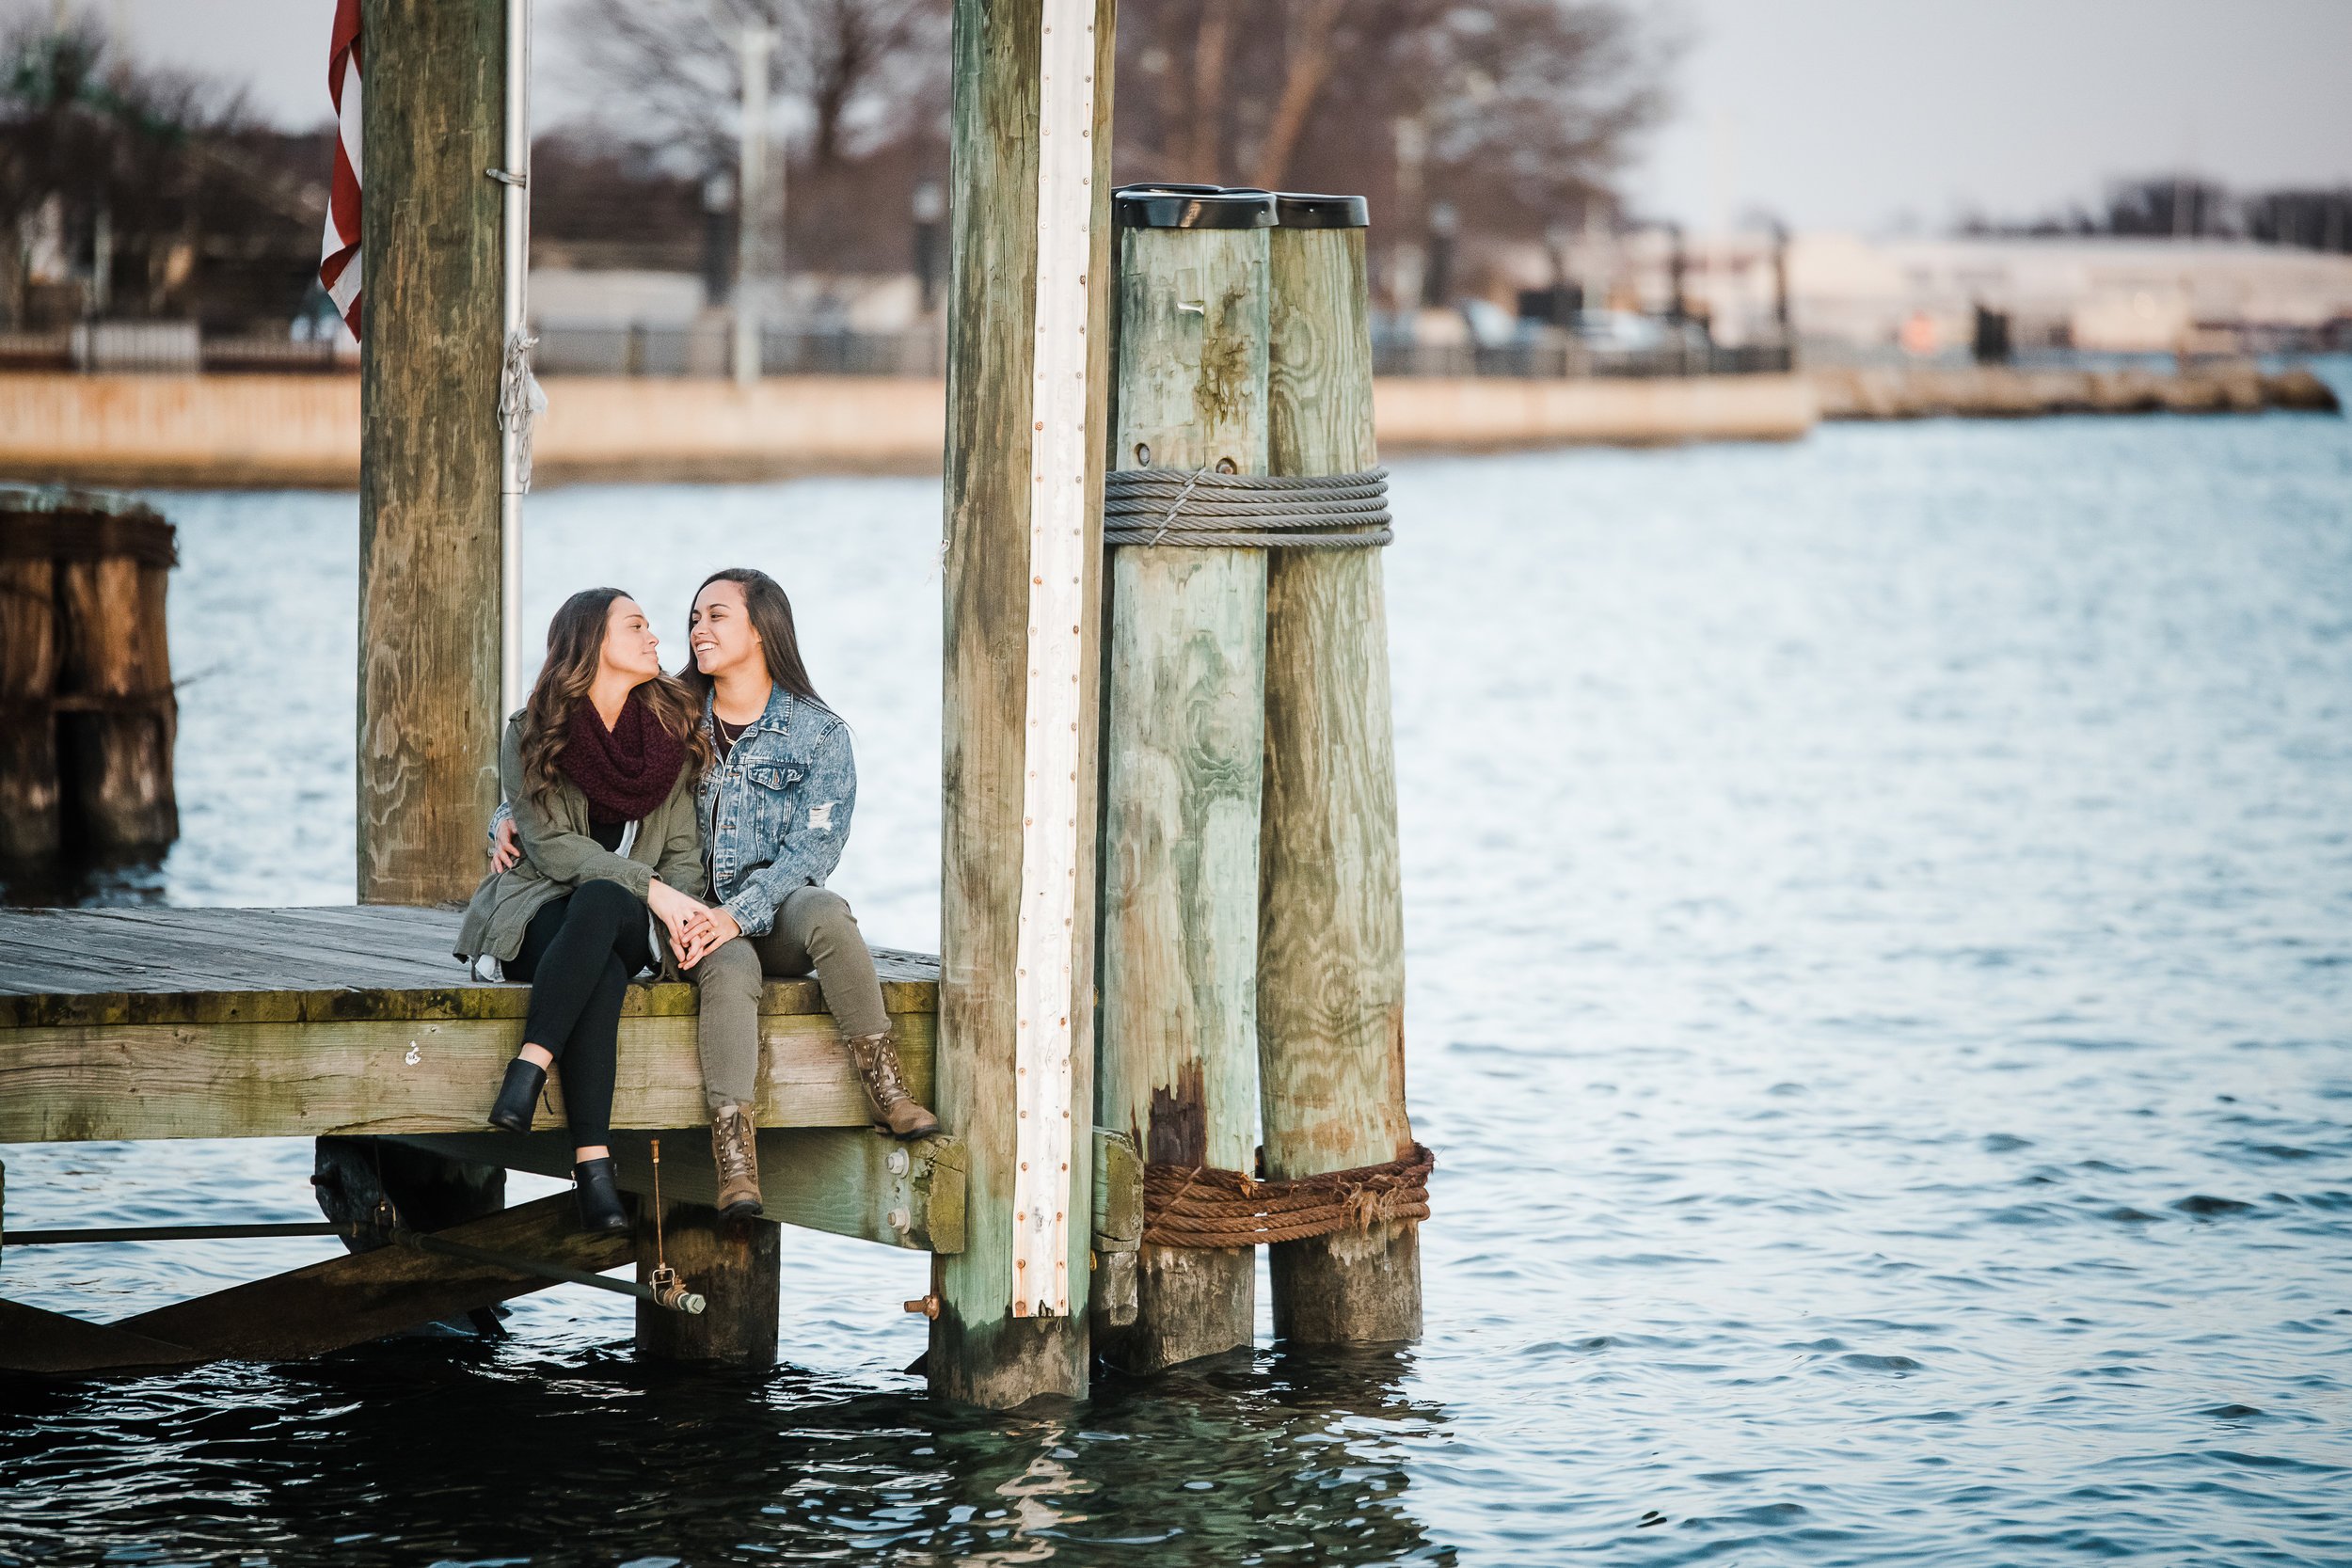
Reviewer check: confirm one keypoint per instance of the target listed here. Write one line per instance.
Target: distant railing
(706, 350)
(167, 347)
(1558, 358)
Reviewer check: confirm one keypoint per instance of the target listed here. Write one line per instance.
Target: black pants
(579, 953)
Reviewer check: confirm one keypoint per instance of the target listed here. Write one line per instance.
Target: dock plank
(318, 964)
(419, 952)
(159, 958)
(162, 1023)
(392, 1075)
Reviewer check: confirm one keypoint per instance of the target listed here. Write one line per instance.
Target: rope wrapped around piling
(1196, 1206)
(1203, 509)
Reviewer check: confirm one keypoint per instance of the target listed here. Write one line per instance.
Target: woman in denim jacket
(775, 814)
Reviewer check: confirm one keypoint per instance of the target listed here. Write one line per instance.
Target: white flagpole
(754, 40)
(518, 389)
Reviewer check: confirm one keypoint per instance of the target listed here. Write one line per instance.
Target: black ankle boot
(600, 1210)
(519, 1097)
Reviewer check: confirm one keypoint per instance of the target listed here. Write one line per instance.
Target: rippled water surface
(1880, 916)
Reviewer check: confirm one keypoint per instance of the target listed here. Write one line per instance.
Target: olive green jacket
(559, 855)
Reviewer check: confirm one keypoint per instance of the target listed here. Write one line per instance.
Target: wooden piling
(1184, 744)
(31, 829)
(118, 737)
(367, 1183)
(1008, 107)
(431, 348)
(86, 690)
(737, 1266)
(1331, 952)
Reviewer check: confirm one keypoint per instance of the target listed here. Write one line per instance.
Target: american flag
(338, 258)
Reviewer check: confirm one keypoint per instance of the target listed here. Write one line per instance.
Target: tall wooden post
(431, 346)
(1330, 931)
(1027, 365)
(1184, 739)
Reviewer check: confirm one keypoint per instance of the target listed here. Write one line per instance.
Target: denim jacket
(775, 814)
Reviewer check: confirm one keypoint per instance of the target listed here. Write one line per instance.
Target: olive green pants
(815, 932)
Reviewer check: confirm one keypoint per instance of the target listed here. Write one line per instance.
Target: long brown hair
(574, 645)
(771, 614)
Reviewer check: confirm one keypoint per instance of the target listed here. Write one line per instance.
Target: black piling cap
(1191, 207)
(1301, 209)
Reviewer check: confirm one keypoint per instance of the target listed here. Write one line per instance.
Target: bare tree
(870, 54)
(1211, 41)
(664, 70)
(1307, 60)
(139, 191)
(1527, 107)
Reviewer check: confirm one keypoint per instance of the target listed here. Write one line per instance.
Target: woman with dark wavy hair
(599, 771)
(775, 808)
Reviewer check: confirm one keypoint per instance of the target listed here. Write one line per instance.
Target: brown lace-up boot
(877, 1062)
(735, 1150)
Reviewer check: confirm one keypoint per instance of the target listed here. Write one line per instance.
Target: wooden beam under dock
(325, 1306)
(859, 1183)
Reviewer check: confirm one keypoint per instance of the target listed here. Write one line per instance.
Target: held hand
(673, 909)
(711, 930)
(505, 854)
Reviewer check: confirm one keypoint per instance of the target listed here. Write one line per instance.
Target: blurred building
(1844, 293)
(2092, 294)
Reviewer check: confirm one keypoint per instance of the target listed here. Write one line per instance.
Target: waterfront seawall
(303, 431)
(2006, 391)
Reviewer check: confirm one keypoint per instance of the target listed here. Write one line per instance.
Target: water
(1880, 916)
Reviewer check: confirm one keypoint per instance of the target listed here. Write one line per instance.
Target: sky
(1864, 115)
(1851, 114)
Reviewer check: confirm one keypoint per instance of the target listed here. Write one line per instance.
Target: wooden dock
(301, 1022)
(1227, 964)
(147, 1023)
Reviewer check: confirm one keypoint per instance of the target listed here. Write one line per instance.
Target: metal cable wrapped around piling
(1207, 510)
(1196, 1206)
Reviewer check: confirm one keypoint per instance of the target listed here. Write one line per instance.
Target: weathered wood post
(736, 1264)
(1331, 932)
(1183, 747)
(1027, 365)
(429, 353)
(31, 828)
(117, 731)
(85, 692)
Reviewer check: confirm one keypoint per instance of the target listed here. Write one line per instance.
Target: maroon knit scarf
(625, 770)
